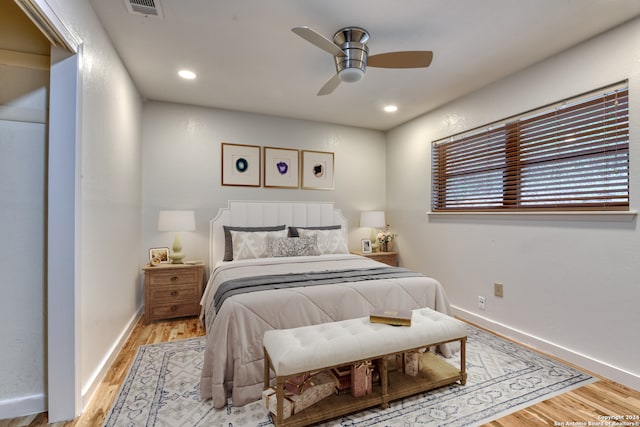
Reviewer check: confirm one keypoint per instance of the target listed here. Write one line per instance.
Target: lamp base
(176, 254)
(375, 246)
(176, 257)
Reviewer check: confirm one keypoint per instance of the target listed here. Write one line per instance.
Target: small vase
(384, 247)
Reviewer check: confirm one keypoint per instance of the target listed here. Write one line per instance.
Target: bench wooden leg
(279, 400)
(463, 360)
(267, 369)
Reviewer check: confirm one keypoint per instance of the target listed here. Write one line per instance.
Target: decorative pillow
(292, 246)
(293, 231)
(253, 244)
(329, 241)
(228, 244)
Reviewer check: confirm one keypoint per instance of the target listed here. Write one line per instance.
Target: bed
(246, 297)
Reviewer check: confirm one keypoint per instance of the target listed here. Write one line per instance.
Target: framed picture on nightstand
(365, 246)
(158, 256)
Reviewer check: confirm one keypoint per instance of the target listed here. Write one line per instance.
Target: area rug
(162, 389)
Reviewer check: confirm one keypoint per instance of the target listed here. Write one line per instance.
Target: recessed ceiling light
(390, 108)
(186, 74)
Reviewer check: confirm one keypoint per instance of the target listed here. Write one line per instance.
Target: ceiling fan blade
(329, 86)
(319, 40)
(406, 59)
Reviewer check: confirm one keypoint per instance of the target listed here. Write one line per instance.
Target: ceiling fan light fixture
(187, 74)
(350, 75)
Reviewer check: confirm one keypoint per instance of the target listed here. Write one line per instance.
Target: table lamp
(374, 220)
(176, 221)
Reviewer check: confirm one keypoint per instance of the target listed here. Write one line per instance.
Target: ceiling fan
(351, 55)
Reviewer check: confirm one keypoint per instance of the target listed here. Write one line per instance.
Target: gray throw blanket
(281, 281)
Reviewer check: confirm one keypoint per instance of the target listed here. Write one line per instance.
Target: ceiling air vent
(144, 7)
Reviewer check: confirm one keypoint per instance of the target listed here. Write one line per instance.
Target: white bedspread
(234, 354)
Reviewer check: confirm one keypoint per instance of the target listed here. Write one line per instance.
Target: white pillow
(252, 244)
(329, 241)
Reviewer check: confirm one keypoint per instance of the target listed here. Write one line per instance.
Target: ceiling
(247, 59)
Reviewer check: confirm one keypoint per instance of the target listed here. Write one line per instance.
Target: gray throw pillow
(293, 231)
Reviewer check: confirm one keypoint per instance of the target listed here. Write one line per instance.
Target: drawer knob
(174, 278)
(174, 307)
(174, 293)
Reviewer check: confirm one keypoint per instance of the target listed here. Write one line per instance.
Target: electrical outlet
(482, 303)
(498, 289)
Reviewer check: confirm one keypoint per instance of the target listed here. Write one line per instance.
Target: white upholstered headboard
(249, 213)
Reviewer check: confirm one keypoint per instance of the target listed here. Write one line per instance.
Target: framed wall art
(317, 170)
(281, 167)
(240, 165)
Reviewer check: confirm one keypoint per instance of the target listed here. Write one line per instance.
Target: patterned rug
(162, 389)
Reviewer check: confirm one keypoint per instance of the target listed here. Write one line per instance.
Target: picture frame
(365, 246)
(241, 165)
(280, 168)
(317, 170)
(161, 253)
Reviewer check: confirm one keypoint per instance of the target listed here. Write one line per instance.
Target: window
(573, 155)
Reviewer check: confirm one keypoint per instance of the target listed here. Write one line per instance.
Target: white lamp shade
(373, 219)
(176, 221)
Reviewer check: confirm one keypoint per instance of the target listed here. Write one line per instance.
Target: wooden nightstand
(172, 290)
(390, 258)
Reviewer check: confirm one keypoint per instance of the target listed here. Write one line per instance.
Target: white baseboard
(91, 386)
(35, 404)
(592, 365)
(22, 406)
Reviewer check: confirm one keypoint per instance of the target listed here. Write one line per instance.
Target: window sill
(591, 216)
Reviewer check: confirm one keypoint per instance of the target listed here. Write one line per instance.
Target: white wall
(570, 285)
(110, 183)
(182, 158)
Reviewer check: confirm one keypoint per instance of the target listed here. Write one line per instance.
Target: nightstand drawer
(178, 309)
(387, 258)
(173, 278)
(185, 291)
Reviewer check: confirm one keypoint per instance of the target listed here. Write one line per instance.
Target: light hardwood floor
(585, 404)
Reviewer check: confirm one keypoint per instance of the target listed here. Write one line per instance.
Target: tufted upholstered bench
(292, 352)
